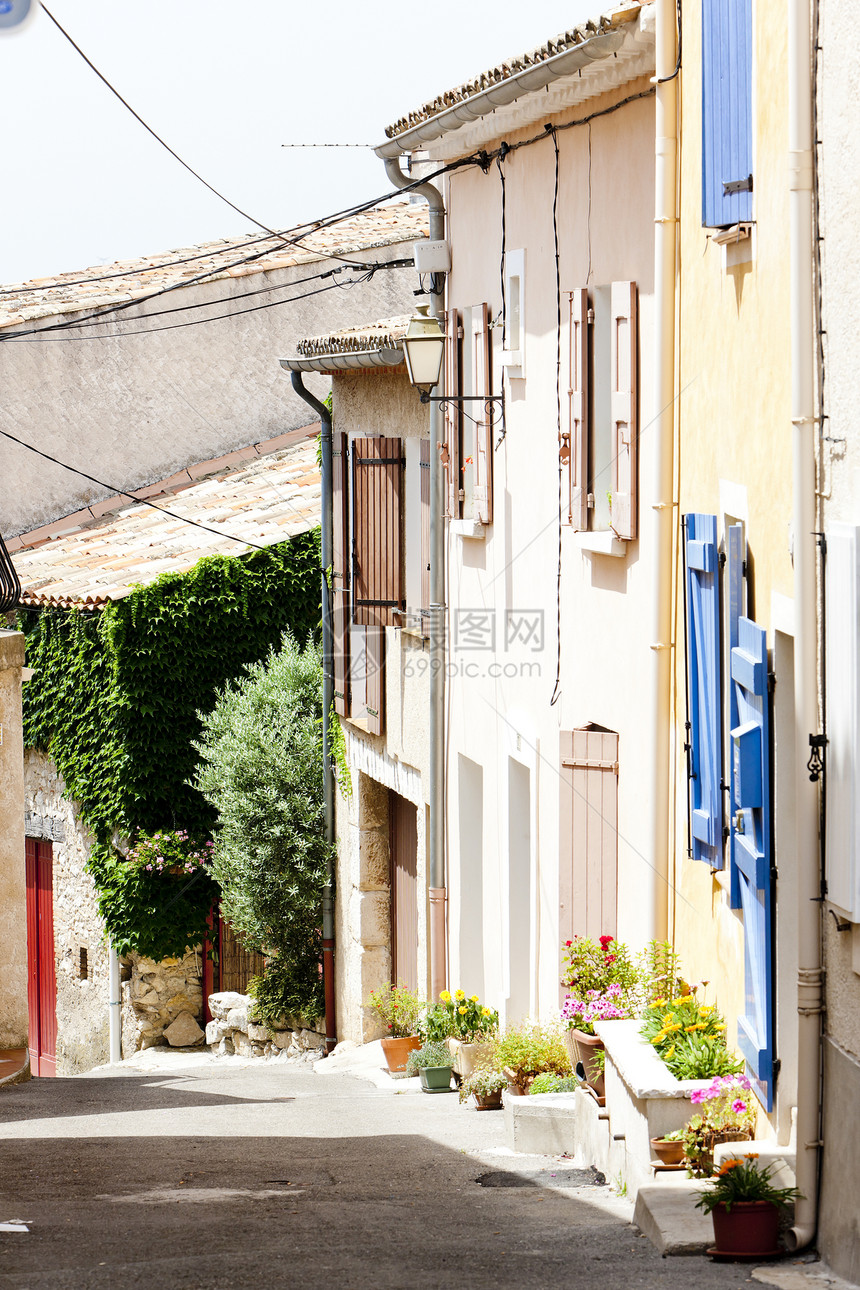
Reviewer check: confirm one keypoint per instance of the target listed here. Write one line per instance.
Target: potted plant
(726, 1114)
(399, 1010)
(669, 1149)
(689, 1036)
(466, 1024)
(432, 1063)
(485, 1085)
(602, 980)
(548, 1082)
(745, 1206)
(524, 1051)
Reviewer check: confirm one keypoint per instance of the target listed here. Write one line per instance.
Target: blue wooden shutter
(726, 110)
(703, 667)
(735, 607)
(751, 849)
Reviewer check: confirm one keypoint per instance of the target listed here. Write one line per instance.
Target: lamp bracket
(494, 404)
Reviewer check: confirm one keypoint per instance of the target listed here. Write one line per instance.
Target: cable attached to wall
(503, 152)
(556, 693)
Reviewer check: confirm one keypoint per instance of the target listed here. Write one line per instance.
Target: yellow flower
(659, 1003)
(485, 1012)
(689, 1029)
(658, 1039)
(702, 1025)
(722, 1027)
(445, 996)
(668, 1017)
(706, 1009)
(672, 1027)
(460, 994)
(669, 1053)
(462, 1011)
(474, 998)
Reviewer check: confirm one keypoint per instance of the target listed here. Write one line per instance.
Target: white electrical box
(432, 257)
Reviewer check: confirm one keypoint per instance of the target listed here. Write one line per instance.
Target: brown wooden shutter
(451, 447)
(578, 422)
(377, 568)
(624, 400)
(482, 489)
(424, 468)
(588, 834)
(340, 573)
(375, 683)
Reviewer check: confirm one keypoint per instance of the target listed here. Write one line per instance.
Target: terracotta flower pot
(489, 1101)
(582, 1048)
(749, 1229)
(668, 1153)
(397, 1051)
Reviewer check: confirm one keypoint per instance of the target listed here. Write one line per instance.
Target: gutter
(340, 363)
(803, 426)
(437, 890)
(328, 695)
(537, 77)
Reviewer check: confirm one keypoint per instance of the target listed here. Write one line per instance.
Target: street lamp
(423, 349)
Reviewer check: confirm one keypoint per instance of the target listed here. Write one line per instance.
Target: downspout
(436, 841)
(328, 696)
(662, 514)
(114, 1006)
(809, 973)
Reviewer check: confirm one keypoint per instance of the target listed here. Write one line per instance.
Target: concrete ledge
(666, 1213)
(543, 1125)
(636, 1061)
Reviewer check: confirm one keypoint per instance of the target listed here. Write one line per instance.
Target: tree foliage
(261, 771)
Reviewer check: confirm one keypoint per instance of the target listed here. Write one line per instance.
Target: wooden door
(236, 964)
(403, 878)
(41, 975)
(588, 833)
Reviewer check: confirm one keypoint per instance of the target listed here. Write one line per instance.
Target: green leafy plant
(279, 1002)
(726, 1111)
(261, 770)
(461, 1017)
(549, 1083)
(525, 1051)
(659, 970)
(483, 1082)
(398, 1008)
(741, 1179)
(428, 1055)
(596, 965)
(690, 1037)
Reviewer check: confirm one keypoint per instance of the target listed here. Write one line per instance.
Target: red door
(41, 978)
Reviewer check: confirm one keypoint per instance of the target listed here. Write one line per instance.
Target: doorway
(403, 880)
(41, 973)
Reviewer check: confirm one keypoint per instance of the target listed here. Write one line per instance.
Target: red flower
(605, 941)
(610, 958)
(568, 943)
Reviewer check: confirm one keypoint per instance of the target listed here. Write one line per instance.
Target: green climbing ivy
(116, 695)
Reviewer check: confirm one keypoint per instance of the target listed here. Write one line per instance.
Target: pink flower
(149, 866)
(738, 1106)
(697, 1095)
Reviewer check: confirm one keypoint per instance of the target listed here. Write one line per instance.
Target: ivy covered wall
(116, 693)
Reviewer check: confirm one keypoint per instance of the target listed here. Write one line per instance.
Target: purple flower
(149, 866)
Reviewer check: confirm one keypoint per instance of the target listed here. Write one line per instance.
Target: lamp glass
(423, 349)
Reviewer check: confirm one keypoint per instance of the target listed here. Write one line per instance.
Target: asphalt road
(223, 1175)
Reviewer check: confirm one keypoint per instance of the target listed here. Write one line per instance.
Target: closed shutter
(624, 402)
(734, 607)
(453, 414)
(377, 588)
(588, 834)
(703, 676)
(576, 496)
(374, 650)
(340, 573)
(41, 974)
(482, 492)
(424, 468)
(726, 112)
(751, 847)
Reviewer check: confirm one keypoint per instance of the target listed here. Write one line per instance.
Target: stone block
(184, 1032)
(309, 1039)
(374, 860)
(260, 1034)
(241, 1044)
(369, 917)
(237, 1018)
(225, 1048)
(283, 1038)
(215, 1032)
(221, 1004)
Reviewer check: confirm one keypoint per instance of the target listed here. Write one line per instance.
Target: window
(599, 450)
(514, 344)
(468, 455)
(727, 163)
(588, 832)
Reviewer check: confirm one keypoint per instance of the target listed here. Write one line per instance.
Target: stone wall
(13, 891)
(80, 945)
(156, 996)
(231, 1032)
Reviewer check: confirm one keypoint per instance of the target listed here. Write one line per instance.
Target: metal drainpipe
(809, 976)
(114, 1006)
(328, 695)
(436, 841)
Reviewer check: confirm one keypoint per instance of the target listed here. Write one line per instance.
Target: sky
(226, 85)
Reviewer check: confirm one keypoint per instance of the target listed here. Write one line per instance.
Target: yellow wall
(733, 422)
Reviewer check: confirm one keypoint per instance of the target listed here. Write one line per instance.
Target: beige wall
(13, 892)
(504, 724)
(131, 411)
(734, 435)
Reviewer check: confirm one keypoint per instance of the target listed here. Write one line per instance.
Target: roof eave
(529, 80)
(366, 358)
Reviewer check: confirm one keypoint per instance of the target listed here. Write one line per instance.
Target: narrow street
(198, 1173)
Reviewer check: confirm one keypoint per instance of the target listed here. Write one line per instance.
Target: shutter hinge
(776, 1068)
(590, 315)
(731, 186)
(726, 832)
(771, 682)
(460, 332)
(722, 559)
(815, 765)
(590, 501)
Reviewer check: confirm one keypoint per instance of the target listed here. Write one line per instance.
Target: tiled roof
(504, 71)
(130, 279)
(385, 334)
(100, 554)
